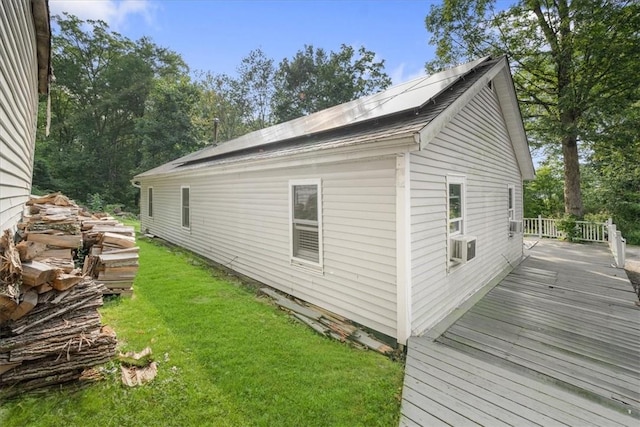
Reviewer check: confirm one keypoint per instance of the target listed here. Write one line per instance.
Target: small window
(455, 201)
(150, 202)
(186, 212)
(305, 199)
(512, 203)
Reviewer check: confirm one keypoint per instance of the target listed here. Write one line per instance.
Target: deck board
(557, 342)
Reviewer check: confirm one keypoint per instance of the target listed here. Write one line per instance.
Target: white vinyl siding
(185, 206)
(18, 107)
(476, 145)
(242, 219)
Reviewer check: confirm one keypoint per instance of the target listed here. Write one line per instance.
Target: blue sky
(214, 35)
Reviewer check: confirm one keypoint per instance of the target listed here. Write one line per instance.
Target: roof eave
(41, 20)
(401, 142)
(506, 92)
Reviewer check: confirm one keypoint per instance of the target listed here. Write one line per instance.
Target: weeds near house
(226, 358)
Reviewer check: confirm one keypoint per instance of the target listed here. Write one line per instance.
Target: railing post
(540, 226)
(620, 250)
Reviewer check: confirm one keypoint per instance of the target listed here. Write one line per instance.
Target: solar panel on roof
(399, 98)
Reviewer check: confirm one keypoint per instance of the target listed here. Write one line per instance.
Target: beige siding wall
(475, 144)
(18, 107)
(241, 220)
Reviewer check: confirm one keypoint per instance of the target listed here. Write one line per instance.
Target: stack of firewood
(50, 329)
(58, 232)
(51, 228)
(113, 254)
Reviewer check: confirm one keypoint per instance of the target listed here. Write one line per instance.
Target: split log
(118, 229)
(56, 253)
(66, 265)
(36, 273)
(133, 250)
(63, 281)
(30, 250)
(29, 299)
(62, 212)
(118, 240)
(54, 199)
(119, 260)
(60, 241)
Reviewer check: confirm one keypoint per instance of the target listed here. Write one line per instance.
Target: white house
(390, 210)
(25, 37)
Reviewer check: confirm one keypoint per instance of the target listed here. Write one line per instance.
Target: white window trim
(511, 210)
(182, 187)
(150, 202)
(317, 267)
(455, 179)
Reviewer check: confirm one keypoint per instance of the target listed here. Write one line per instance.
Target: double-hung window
(150, 202)
(306, 221)
(455, 204)
(185, 207)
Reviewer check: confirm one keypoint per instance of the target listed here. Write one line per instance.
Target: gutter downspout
(135, 184)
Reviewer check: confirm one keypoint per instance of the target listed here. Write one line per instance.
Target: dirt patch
(633, 272)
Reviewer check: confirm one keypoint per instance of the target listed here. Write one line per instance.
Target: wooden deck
(557, 342)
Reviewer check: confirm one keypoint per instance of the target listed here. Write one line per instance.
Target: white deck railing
(587, 231)
(617, 244)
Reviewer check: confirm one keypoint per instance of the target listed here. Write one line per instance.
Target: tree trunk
(572, 195)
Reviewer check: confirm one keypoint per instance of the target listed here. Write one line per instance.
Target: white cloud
(113, 12)
(400, 74)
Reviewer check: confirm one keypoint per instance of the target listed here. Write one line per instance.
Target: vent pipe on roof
(215, 130)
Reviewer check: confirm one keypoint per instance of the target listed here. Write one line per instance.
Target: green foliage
(574, 64)
(314, 80)
(166, 131)
(544, 195)
(597, 217)
(568, 227)
(103, 81)
(95, 202)
(225, 358)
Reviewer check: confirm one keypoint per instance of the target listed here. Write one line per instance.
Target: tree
(102, 84)
(543, 196)
(614, 169)
(572, 60)
(220, 114)
(255, 87)
(314, 80)
(165, 131)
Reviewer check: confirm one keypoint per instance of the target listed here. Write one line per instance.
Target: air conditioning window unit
(515, 226)
(463, 248)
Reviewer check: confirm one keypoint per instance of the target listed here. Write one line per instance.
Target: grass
(226, 358)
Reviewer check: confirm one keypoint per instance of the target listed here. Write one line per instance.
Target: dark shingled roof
(395, 125)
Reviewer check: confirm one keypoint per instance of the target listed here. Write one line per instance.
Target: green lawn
(226, 358)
